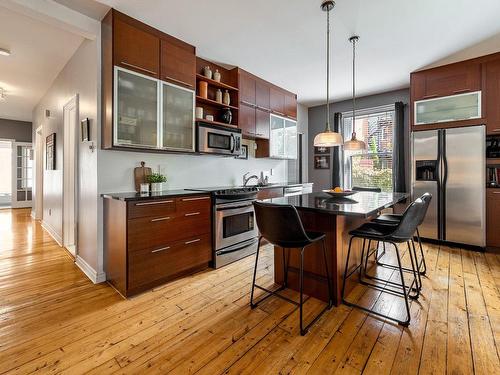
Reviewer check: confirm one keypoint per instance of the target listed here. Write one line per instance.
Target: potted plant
(156, 180)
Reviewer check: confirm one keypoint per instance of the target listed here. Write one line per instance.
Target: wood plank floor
(54, 320)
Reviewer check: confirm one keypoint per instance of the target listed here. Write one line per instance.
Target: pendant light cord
(354, 86)
(328, 71)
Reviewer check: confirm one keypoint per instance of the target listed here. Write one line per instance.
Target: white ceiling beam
(57, 15)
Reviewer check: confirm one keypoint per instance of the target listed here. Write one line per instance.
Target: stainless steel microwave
(213, 139)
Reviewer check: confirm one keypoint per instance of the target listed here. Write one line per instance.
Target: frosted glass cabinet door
(290, 139)
(449, 108)
(136, 119)
(277, 137)
(177, 118)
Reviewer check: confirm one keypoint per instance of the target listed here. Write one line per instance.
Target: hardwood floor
(54, 320)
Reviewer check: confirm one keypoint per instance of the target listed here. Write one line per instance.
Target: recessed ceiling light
(4, 51)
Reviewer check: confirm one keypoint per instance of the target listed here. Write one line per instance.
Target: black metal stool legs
(422, 261)
(252, 305)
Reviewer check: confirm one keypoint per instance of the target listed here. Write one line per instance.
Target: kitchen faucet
(245, 179)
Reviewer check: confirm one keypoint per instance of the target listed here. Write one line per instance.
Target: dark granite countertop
(133, 196)
(361, 204)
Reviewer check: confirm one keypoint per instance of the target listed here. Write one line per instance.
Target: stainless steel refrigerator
(450, 164)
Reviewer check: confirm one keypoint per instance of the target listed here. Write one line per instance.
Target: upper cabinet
(135, 49)
(492, 96)
(277, 101)
(291, 105)
(283, 138)
(262, 95)
(446, 80)
(178, 63)
(247, 88)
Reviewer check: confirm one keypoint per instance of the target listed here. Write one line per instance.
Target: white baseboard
(92, 274)
(52, 232)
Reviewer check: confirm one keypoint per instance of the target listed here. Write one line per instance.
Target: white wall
(303, 127)
(79, 76)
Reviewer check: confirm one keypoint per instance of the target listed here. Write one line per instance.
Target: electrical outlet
(271, 172)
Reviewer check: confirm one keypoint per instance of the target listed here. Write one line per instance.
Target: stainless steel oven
(213, 139)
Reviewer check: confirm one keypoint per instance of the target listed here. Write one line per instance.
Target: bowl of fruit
(339, 192)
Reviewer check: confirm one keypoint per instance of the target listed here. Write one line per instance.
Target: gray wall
(21, 131)
(322, 178)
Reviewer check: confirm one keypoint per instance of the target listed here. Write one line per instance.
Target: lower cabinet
(149, 242)
(493, 218)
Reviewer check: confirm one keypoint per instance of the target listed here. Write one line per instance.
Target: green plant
(155, 178)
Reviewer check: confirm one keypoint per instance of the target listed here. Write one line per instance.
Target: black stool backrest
(427, 197)
(372, 189)
(279, 224)
(410, 220)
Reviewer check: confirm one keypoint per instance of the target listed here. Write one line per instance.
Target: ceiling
(39, 52)
(283, 41)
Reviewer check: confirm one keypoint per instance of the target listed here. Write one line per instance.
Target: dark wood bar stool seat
(281, 226)
(393, 234)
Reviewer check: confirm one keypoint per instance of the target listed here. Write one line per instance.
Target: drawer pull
(496, 192)
(179, 81)
(151, 203)
(496, 130)
(192, 214)
(247, 103)
(160, 249)
(161, 219)
(192, 241)
(194, 199)
(138, 68)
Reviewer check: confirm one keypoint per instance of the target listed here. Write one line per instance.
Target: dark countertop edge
(133, 196)
(282, 185)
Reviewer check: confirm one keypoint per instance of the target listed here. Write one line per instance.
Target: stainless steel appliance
(213, 139)
(235, 232)
(450, 164)
(289, 191)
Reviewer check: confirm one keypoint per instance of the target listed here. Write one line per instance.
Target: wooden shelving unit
(229, 82)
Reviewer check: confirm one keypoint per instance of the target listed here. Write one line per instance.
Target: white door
(38, 176)
(22, 174)
(70, 163)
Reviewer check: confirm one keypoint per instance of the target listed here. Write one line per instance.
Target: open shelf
(201, 77)
(216, 123)
(214, 103)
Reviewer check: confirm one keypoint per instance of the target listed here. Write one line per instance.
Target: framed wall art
(50, 152)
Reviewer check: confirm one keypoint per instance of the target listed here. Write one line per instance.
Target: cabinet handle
(194, 199)
(138, 68)
(152, 203)
(192, 241)
(496, 130)
(460, 91)
(178, 81)
(430, 96)
(279, 113)
(161, 219)
(192, 214)
(496, 192)
(160, 249)
(248, 103)
(264, 108)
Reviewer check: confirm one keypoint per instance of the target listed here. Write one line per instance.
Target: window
(373, 167)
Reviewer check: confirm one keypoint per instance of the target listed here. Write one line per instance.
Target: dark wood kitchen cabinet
(247, 86)
(247, 120)
(493, 218)
(291, 105)
(149, 242)
(492, 96)
(178, 62)
(263, 95)
(262, 120)
(446, 80)
(277, 99)
(135, 48)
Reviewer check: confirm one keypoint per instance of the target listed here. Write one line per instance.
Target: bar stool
(281, 226)
(394, 219)
(394, 234)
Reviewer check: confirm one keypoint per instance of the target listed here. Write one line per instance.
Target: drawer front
(187, 205)
(147, 266)
(152, 208)
(150, 233)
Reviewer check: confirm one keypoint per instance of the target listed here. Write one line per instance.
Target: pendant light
(354, 144)
(328, 138)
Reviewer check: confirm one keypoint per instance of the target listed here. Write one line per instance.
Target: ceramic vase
(227, 116)
(203, 88)
(207, 72)
(156, 187)
(217, 75)
(218, 96)
(227, 98)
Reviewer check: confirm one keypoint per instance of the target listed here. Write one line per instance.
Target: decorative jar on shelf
(217, 75)
(218, 96)
(227, 116)
(227, 98)
(203, 88)
(207, 72)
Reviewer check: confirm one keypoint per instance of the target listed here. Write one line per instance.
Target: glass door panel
(290, 139)
(136, 109)
(277, 137)
(177, 118)
(449, 108)
(22, 170)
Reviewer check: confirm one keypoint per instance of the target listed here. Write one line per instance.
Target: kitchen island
(335, 217)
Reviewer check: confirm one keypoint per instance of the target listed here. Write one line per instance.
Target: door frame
(11, 141)
(14, 202)
(70, 193)
(38, 175)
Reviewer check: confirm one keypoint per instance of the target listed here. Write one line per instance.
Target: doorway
(70, 165)
(5, 170)
(22, 174)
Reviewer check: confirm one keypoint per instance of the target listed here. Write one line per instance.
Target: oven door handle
(234, 207)
(233, 143)
(232, 250)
